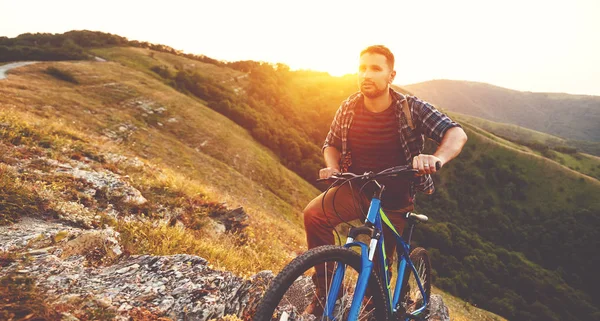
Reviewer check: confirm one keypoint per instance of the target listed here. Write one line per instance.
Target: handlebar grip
(438, 165)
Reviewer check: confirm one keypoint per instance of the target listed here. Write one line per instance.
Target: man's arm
(332, 162)
(332, 146)
(452, 143)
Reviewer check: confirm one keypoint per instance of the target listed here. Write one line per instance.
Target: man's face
(374, 75)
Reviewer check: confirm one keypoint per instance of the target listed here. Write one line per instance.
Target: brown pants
(320, 218)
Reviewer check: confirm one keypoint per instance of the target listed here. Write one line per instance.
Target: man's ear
(392, 76)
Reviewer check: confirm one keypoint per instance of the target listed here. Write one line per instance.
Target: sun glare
(461, 40)
(334, 69)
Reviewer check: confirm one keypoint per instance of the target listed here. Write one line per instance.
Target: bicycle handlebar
(392, 171)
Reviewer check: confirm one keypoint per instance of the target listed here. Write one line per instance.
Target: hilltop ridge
(568, 116)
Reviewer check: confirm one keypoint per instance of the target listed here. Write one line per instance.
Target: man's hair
(382, 50)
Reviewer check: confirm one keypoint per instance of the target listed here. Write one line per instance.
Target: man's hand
(425, 164)
(327, 172)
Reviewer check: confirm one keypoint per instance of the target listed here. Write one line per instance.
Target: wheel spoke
(366, 314)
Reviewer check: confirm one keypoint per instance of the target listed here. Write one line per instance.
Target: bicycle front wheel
(296, 294)
(413, 297)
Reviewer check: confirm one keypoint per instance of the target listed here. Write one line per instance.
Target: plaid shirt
(427, 121)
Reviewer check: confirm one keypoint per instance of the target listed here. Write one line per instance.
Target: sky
(528, 45)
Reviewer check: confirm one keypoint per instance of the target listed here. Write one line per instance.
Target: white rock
(123, 270)
(104, 301)
(167, 303)
(124, 307)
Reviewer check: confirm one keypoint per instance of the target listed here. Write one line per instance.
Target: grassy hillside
(144, 59)
(578, 162)
(198, 150)
(551, 147)
(510, 131)
(497, 216)
(529, 136)
(573, 117)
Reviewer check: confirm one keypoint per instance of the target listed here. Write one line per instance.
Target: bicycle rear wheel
(412, 297)
(293, 289)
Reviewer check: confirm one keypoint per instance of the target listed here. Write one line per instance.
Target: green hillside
(527, 136)
(510, 131)
(554, 148)
(511, 230)
(574, 117)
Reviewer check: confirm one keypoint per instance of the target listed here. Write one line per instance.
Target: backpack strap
(407, 113)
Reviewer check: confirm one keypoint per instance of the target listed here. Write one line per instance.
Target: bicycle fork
(367, 253)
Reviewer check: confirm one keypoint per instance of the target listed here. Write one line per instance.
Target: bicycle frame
(373, 227)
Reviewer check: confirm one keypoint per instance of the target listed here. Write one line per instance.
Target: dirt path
(7, 67)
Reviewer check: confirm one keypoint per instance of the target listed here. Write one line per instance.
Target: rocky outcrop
(178, 286)
(113, 183)
(232, 221)
(181, 287)
(438, 311)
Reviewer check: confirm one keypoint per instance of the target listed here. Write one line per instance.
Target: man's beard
(374, 92)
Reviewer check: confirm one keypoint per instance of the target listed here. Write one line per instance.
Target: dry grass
(6, 258)
(188, 161)
(159, 238)
(20, 299)
(464, 311)
(18, 198)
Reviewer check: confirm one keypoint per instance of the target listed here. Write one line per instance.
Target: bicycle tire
(297, 270)
(412, 297)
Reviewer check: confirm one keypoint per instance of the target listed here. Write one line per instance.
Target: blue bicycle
(357, 283)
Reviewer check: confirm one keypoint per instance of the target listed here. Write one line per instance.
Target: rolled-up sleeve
(334, 136)
(434, 123)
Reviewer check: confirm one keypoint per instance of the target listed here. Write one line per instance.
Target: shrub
(61, 74)
(540, 147)
(566, 149)
(548, 154)
(162, 71)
